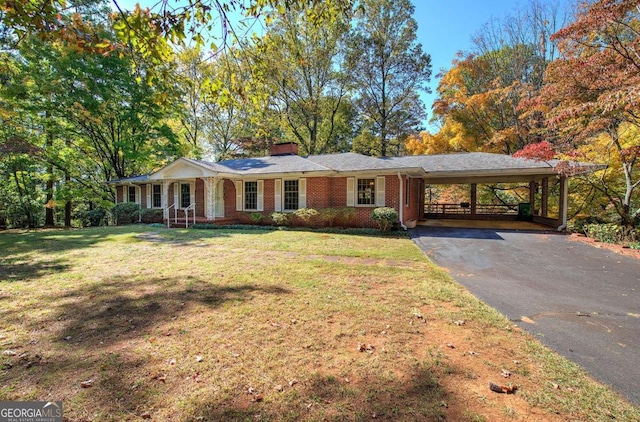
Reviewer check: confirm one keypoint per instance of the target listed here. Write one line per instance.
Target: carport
(548, 188)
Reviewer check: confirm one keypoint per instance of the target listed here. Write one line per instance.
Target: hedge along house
(189, 191)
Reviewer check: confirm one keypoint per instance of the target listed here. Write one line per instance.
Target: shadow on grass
(417, 397)
(24, 271)
(85, 334)
(119, 309)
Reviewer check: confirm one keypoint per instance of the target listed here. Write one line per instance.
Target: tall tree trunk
(67, 205)
(49, 218)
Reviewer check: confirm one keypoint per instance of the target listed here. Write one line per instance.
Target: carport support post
(532, 197)
(545, 197)
(474, 198)
(564, 202)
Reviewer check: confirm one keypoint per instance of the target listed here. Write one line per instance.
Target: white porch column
(210, 184)
(165, 198)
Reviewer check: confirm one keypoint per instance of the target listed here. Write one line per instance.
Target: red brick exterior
(200, 199)
(322, 192)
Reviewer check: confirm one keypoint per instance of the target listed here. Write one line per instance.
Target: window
(132, 194)
(366, 191)
(291, 195)
(156, 196)
(251, 195)
(185, 195)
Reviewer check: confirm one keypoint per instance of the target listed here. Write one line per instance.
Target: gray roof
(266, 165)
(351, 162)
(134, 179)
(470, 161)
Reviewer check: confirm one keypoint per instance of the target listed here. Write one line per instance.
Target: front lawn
(178, 325)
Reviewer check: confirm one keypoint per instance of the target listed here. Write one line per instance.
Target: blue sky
(446, 27)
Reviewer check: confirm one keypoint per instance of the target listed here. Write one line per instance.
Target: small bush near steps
(384, 217)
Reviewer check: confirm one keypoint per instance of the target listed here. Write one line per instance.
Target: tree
(299, 62)
(483, 100)
(152, 32)
(592, 90)
(389, 70)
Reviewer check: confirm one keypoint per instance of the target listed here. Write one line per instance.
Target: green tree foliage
(299, 63)
(389, 70)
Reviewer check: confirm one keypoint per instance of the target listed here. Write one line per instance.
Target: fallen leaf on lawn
(159, 377)
(505, 373)
(502, 388)
(365, 348)
(86, 384)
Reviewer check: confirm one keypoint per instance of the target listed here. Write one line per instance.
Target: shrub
(281, 218)
(125, 213)
(150, 215)
(608, 233)
(256, 217)
(92, 218)
(306, 217)
(337, 216)
(385, 217)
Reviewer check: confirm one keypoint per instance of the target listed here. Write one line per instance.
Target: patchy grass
(181, 325)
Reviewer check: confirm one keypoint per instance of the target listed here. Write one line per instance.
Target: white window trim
(379, 191)
(150, 196)
(240, 196)
(125, 193)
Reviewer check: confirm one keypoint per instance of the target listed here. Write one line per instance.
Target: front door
(220, 199)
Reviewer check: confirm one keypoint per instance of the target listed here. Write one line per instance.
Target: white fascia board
(411, 171)
(204, 171)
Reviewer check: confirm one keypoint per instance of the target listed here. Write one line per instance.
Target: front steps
(181, 223)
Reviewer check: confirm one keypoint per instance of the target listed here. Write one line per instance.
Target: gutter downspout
(565, 203)
(401, 204)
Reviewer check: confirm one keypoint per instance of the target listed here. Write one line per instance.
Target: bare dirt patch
(619, 249)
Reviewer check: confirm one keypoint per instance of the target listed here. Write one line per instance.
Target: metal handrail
(175, 214)
(186, 214)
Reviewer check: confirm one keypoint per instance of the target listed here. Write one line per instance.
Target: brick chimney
(287, 148)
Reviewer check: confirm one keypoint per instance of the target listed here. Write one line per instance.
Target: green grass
(262, 325)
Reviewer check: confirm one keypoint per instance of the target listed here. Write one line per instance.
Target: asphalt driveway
(581, 301)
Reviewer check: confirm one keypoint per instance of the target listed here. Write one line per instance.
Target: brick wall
(319, 192)
(143, 196)
(119, 194)
(200, 199)
(322, 192)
